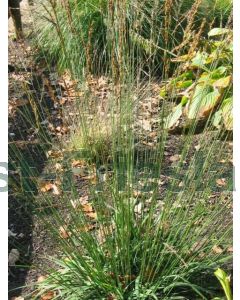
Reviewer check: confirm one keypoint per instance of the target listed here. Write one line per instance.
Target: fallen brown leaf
(63, 101)
(46, 188)
(174, 158)
(41, 279)
(137, 194)
(48, 296)
(92, 215)
(79, 202)
(86, 228)
(64, 233)
(92, 178)
(197, 147)
(55, 190)
(217, 250)
(221, 182)
(50, 187)
(78, 163)
(138, 208)
(150, 144)
(104, 231)
(21, 102)
(146, 125)
(87, 208)
(62, 129)
(153, 134)
(55, 154)
(58, 167)
(222, 161)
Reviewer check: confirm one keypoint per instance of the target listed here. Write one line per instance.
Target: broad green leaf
(200, 92)
(188, 75)
(203, 102)
(184, 84)
(230, 46)
(173, 117)
(227, 113)
(200, 60)
(221, 70)
(183, 77)
(215, 79)
(218, 73)
(184, 100)
(163, 92)
(205, 76)
(217, 119)
(218, 31)
(225, 282)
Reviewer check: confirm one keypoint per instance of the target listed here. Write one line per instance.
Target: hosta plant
(204, 87)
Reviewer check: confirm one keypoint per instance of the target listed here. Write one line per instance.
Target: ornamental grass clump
(87, 36)
(136, 212)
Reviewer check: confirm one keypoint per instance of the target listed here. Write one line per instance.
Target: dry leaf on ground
(87, 208)
(47, 187)
(197, 148)
(41, 279)
(104, 231)
(64, 233)
(86, 228)
(55, 154)
(217, 250)
(92, 178)
(78, 163)
(79, 202)
(222, 161)
(58, 167)
(137, 194)
(221, 182)
(48, 296)
(89, 211)
(55, 190)
(92, 215)
(174, 158)
(138, 208)
(146, 125)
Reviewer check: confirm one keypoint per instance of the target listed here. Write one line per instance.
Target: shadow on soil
(27, 159)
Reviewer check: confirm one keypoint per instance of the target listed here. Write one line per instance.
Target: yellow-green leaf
(225, 282)
(223, 82)
(218, 31)
(227, 114)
